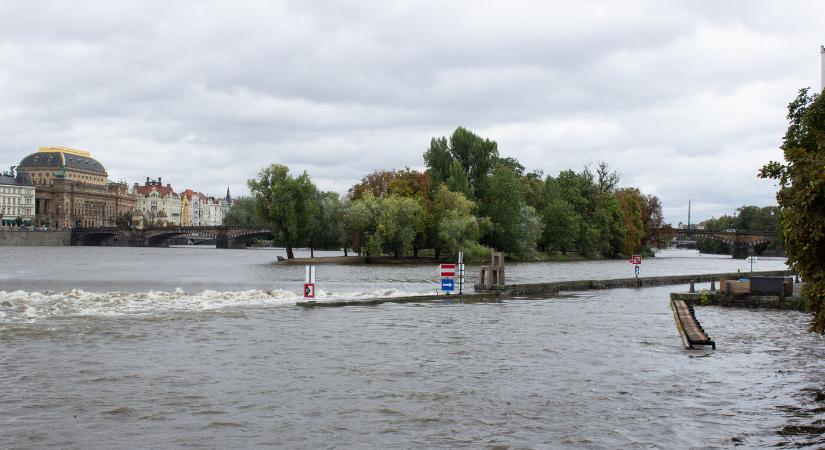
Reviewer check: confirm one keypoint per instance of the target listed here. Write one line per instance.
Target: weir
(540, 290)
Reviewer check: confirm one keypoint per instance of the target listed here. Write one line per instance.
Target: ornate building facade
(73, 191)
(160, 205)
(16, 199)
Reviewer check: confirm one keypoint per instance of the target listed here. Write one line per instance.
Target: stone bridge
(224, 236)
(740, 242)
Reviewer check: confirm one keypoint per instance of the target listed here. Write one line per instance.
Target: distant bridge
(740, 242)
(224, 236)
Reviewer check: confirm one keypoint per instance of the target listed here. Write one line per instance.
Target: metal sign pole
(460, 273)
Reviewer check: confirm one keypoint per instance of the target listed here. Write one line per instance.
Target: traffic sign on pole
(448, 285)
(309, 290)
(447, 270)
(309, 282)
(460, 272)
(636, 259)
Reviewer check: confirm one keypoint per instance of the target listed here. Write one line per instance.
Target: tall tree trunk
(311, 251)
(345, 250)
(289, 254)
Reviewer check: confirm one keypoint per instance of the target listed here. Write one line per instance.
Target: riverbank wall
(521, 290)
(792, 302)
(541, 290)
(35, 238)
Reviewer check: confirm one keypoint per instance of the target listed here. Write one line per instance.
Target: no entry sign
(447, 270)
(636, 259)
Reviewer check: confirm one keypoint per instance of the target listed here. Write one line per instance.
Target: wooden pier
(690, 329)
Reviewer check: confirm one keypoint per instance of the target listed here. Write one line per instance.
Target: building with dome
(73, 190)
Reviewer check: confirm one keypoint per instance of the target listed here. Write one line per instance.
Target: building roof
(56, 157)
(164, 191)
(22, 179)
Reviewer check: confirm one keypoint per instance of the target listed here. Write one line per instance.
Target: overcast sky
(685, 99)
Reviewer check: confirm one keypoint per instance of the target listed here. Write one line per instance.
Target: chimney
(169, 185)
(147, 181)
(822, 67)
(160, 181)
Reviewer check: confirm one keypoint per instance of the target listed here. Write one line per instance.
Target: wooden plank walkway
(690, 329)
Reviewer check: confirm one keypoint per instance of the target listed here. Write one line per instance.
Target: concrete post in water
(692, 288)
(713, 285)
(492, 276)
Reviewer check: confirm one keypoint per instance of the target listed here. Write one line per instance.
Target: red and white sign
(636, 259)
(447, 270)
(309, 290)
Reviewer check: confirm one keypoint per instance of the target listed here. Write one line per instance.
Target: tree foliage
(385, 225)
(288, 204)
(801, 198)
(243, 212)
(475, 155)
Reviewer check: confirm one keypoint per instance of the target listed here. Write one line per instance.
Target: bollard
(713, 285)
(692, 289)
(797, 278)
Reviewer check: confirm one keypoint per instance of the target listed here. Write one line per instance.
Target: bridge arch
(240, 237)
(740, 242)
(100, 237)
(160, 237)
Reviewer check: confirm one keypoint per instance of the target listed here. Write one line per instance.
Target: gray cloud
(687, 100)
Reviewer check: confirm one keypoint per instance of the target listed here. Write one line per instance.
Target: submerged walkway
(542, 290)
(690, 329)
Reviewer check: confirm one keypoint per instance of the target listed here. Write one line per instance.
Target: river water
(204, 348)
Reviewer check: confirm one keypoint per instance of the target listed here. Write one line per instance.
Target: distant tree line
(746, 218)
(469, 198)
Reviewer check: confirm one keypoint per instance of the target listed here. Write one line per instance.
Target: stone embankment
(793, 302)
(37, 238)
(541, 290)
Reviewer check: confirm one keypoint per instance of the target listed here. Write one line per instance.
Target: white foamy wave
(22, 306)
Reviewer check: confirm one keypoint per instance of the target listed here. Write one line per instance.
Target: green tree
(502, 205)
(438, 160)
(362, 218)
(401, 221)
(243, 212)
(530, 227)
(459, 232)
(476, 156)
(456, 228)
(801, 198)
(288, 204)
(561, 225)
(534, 190)
(330, 233)
(458, 181)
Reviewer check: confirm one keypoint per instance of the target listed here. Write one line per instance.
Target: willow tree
(801, 198)
(289, 204)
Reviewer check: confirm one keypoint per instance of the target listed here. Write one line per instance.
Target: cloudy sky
(685, 99)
